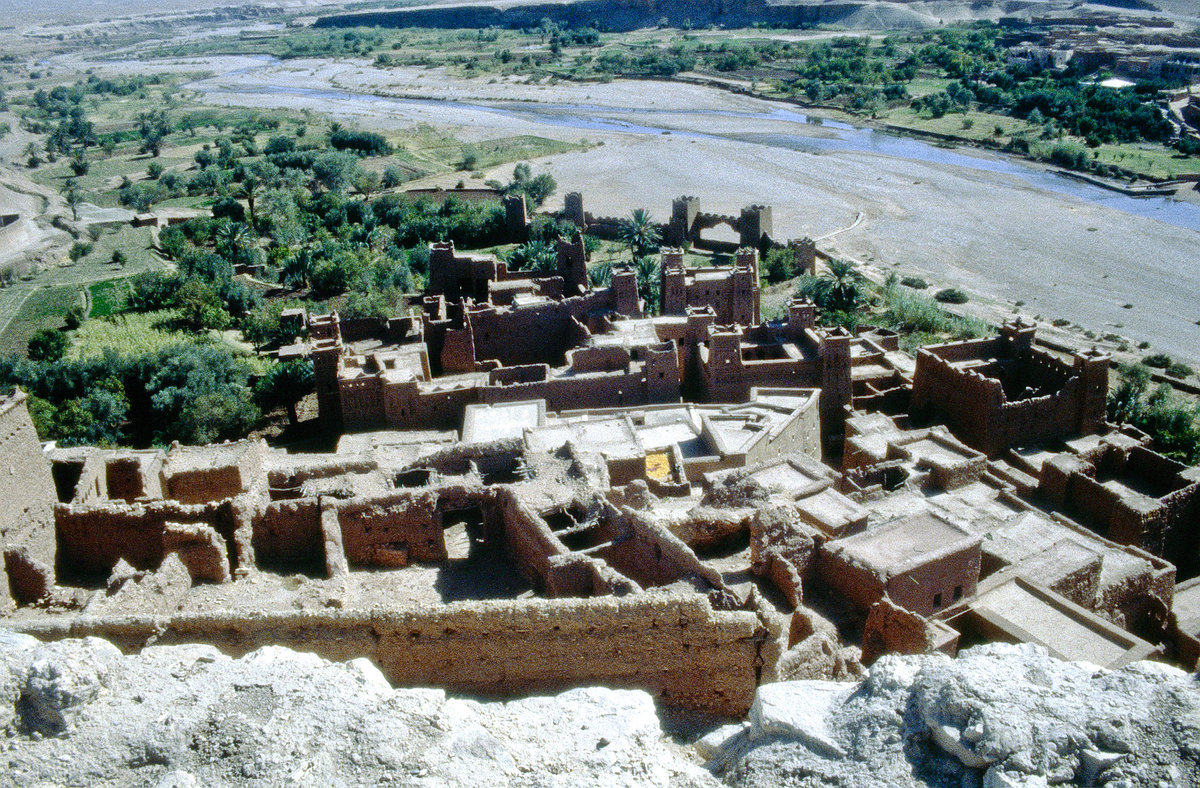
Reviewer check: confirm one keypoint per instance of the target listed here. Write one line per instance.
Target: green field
(44, 308)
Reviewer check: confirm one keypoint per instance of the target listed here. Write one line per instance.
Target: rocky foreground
(78, 712)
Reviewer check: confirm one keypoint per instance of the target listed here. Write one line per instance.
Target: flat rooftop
(485, 423)
(896, 546)
(1033, 614)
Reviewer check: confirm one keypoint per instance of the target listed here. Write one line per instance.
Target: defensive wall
(497, 648)
(1000, 392)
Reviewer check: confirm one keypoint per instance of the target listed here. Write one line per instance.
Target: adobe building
(1001, 392)
(692, 503)
(731, 291)
(487, 568)
(483, 278)
(922, 563)
(1130, 495)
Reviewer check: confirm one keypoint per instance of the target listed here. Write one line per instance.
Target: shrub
(951, 295)
(1159, 360)
(1178, 370)
(777, 266)
(915, 282)
(48, 344)
(152, 290)
(79, 250)
(364, 143)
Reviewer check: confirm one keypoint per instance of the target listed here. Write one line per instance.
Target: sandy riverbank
(991, 232)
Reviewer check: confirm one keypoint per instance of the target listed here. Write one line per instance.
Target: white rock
(799, 710)
(714, 743)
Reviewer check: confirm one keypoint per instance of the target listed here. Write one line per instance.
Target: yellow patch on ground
(658, 466)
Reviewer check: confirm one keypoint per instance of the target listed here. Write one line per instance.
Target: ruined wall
(391, 530)
(288, 537)
(26, 487)
(529, 540)
(676, 647)
(890, 629)
(92, 537)
(653, 556)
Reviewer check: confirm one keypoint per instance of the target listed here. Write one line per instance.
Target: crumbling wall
(27, 489)
(676, 647)
(92, 537)
(890, 629)
(783, 550)
(391, 530)
(528, 539)
(288, 536)
(651, 555)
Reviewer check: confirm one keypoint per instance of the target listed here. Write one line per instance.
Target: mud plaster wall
(653, 556)
(26, 487)
(530, 542)
(289, 534)
(392, 530)
(93, 537)
(890, 629)
(676, 647)
(977, 409)
(533, 335)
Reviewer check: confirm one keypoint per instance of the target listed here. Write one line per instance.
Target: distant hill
(624, 15)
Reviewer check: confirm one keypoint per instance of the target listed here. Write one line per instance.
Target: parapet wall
(497, 648)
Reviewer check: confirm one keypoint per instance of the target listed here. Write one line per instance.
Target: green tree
(79, 250)
(298, 269)
(94, 419)
(284, 385)
(48, 344)
(533, 256)
(197, 394)
(777, 266)
(73, 198)
(335, 170)
(153, 127)
(79, 163)
(838, 292)
(640, 234)
(648, 271)
(199, 306)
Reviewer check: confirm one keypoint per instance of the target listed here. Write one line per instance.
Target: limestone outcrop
(995, 717)
(79, 712)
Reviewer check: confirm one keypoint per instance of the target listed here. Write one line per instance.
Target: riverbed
(1007, 230)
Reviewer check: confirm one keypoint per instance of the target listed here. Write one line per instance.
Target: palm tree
(648, 272)
(533, 256)
(250, 187)
(231, 239)
(73, 198)
(299, 268)
(600, 274)
(842, 285)
(640, 234)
